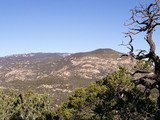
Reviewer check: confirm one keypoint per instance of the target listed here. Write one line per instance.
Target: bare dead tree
(145, 18)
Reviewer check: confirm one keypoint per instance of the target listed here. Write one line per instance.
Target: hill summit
(58, 73)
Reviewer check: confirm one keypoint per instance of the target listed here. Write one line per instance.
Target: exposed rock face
(34, 66)
(90, 67)
(58, 73)
(31, 66)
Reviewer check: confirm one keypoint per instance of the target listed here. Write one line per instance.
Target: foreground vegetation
(25, 106)
(113, 98)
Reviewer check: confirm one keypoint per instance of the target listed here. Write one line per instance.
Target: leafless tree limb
(144, 82)
(138, 71)
(145, 19)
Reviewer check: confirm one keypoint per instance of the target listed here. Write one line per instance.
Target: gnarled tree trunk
(146, 19)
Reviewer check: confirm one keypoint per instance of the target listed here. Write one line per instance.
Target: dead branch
(138, 71)
(144, 19)
(145, 83)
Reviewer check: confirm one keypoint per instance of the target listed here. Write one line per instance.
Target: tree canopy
(25, 106)
(113, 98)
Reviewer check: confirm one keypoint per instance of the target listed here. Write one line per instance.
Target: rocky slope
(90, 65)
(27, 66)
(58, 73)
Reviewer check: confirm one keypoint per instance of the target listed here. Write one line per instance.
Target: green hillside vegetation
(25, 106)
(113, 98)
(59, 88)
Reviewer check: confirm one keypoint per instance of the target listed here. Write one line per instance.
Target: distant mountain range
(58, 73)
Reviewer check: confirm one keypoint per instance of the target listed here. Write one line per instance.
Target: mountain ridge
(38, 65)
(59, 75)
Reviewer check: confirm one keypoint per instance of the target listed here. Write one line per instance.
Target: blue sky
(63, 25)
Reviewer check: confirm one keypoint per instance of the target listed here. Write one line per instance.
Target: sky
(65, 26)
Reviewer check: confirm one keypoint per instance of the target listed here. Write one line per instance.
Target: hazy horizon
(68, 26)
(57, 52)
